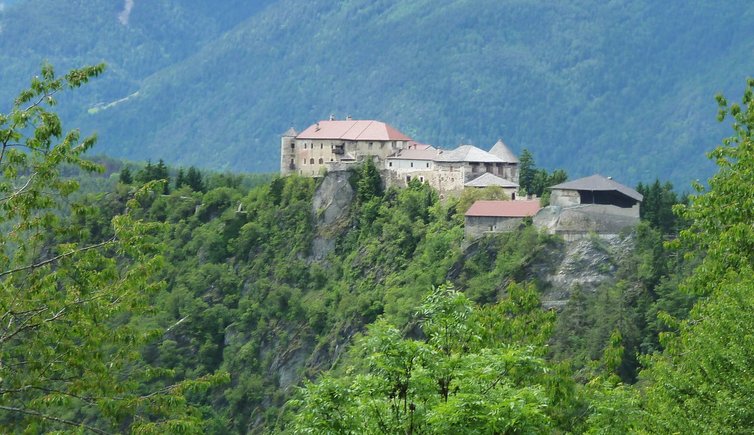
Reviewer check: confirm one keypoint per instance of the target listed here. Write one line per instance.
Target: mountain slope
(623, 88)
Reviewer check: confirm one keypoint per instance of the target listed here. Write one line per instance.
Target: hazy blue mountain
(624, 88)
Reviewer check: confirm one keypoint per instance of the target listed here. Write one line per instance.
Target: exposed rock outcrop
(330, 207)
(588, 263)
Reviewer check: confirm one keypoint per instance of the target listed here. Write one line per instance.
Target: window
(303, 162)
(304, 145)
(421, 179)
(311, 161)
(390, 164)
(408, 178)
(428, 164)
(370, 145)
(321, 146)
(412, 164)
(321, 160)
(293, 145)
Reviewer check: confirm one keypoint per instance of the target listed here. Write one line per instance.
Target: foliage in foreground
(69, 343)
(474, 370)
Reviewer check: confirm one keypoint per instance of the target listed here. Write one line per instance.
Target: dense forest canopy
(620, 88)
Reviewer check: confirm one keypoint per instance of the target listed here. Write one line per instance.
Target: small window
(293, 146)
(370, 145)
(412, 164)
(390, 164)
(304, 145)
(311, 161)
(331, 159)
(428, 164)
(321, 146)
(421, 179)
(321, 160)
(303, 162)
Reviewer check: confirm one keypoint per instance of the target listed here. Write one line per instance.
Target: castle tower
(510, 170)
(288, 152)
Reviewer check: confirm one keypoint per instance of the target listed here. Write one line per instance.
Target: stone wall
(565, 198)
(577, 221)
(477, 226)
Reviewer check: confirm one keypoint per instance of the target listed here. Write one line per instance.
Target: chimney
(332, 117)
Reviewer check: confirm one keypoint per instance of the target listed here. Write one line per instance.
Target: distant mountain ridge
(624, 88)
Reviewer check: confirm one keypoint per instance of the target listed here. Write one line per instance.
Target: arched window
(321, 160)
(293, 145)
(311, 161)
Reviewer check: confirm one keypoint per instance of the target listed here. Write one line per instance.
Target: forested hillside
(158, 300)
(621, 88)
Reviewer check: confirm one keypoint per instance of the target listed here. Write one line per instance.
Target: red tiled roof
(504, 208)
(352, 130)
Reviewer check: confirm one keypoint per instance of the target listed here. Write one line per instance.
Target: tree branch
(58, 257)
(52, 418)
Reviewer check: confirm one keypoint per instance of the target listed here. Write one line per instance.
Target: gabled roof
(414, 145)
(352, 130)
(597, 182)
(503, 208)
(468, 153)
(291, 132)
(503, 152)
(415, 154)
(488, 179)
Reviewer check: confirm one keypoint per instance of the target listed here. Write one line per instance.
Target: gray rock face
(330, 207)
(587, 262)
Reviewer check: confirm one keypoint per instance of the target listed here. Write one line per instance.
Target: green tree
(457, 379)
(194, 180)
(180, 179)
(702, 382)
(125, 176)
(526, 170)
(68, 346)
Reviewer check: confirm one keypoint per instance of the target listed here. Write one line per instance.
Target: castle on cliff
(591, 205)
(336, 144)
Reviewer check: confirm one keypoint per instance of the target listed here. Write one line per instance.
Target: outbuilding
(497, 216)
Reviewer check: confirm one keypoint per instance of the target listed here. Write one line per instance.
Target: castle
(336, 144)
(593, 204)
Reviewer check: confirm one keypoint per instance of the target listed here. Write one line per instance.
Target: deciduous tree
(69, 347)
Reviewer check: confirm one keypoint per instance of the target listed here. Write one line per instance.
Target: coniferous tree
(125, 176)
(180, 179)
(194, 180)
(526, 171)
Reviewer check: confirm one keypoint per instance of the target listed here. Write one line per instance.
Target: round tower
(288, 152)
